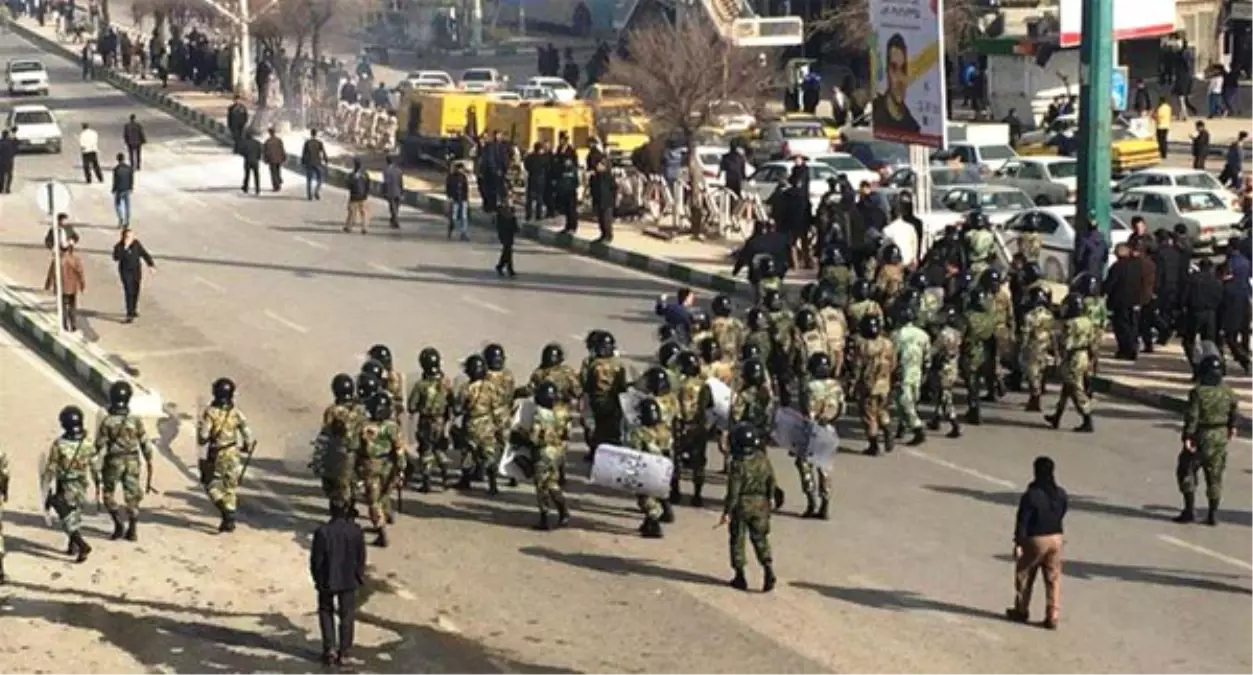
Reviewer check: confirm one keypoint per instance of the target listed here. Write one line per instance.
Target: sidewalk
(1222, 131)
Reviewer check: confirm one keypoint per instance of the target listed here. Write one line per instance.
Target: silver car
(998, 202)
(782, 140)
(1208, 219)
(1047, 180)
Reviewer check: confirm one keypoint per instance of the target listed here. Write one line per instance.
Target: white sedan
(1056, 225)
(850, 166)
(428, 79)
(27, 76)
(561, 90)
(1208, 219)
(476, 80)
(767, 177)
(35, 128)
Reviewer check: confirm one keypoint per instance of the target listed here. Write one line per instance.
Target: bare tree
(680, 73)
(850, 22)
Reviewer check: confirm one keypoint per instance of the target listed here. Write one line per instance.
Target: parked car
(882, 157)
(943, 179)
(710, 159)
(427, 79)
(780, 140)
(767, 177)
(35, 128)
(991, 157)
(1208, 219)
(731, 117)
(483, 79)
(26, 76)
(562, 91)
(1056, 225)
(1047, 180)
(848, 165)
(1180, 177)
(998, 202)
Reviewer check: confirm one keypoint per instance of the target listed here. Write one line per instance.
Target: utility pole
(241, 15)
(476, 23)
(1096, 73)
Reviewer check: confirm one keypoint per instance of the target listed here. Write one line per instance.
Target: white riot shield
(630, 402)
(516, 463)
(523, 414)
(631, 471)
(790, 430)
(822, 443)
(720, 394)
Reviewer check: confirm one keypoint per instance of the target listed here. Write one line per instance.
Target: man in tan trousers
(1038, 545)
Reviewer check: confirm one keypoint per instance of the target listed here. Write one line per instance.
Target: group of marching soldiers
(357, 125)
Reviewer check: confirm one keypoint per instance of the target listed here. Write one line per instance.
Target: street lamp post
(1096, 68)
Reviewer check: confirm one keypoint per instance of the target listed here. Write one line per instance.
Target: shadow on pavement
(895, 600)
(621, 566)
(1154, 576)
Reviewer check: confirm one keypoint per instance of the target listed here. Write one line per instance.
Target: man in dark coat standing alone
(250, 149)
(337, 565)
(131, 256)
(133, 136)
(237, 121)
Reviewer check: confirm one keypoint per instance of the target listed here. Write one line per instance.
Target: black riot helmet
(380, 406)
(223, 391)
(546, 394)
(1086, 285)
(904, 314)
(71, 419)
(766, 268)
(343, 388)
(667, 353)
(978, 301)
(832, 256)
(667, 333)
(977, 219)
(120, 393)
(772, 300)
(1039, 297)
(824, 297)
(746, 440)
(367, 386)
(861, 290)
(756, 319)
(657, 381)
(552, 355)
(918, 281)
(475, 367)
(808, 291)
(372, 368)
(593, 339)
(383, 355)
(710, 350)
(700, 322)
(722, 305)
(494, 356)
(1072, 306)
(890, 254)
(1031, 274)
(753, 373)
(606, 345)
(1210, 370)
(806, 320)
(949, 316)
(870, 327)
(750, 352)
(650, 413)
(819, 366)
(689, 364)
(991, 280)
(430, 361)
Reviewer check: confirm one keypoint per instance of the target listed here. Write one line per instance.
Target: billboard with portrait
(907, 65)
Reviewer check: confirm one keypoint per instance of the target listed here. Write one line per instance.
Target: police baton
(252, 449)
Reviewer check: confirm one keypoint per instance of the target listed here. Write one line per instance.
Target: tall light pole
(1096, 72)
(241, 16)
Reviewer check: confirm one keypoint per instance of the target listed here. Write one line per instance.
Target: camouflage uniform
(1037, 347)
(1075, 341)
(979, 246)
(755, 406)
(761, 338)
(784, 356)
(929, 304)
(862, 308)
(120, 441)
(835, 327)
(729, 332)
(840, 277)
(69, 465)
(1029, 245)
(1211, 415)
(548, 440)
(824, 405)
(477, 403)
(1094, 308)
(875, 362)
(655, 440)
(945, 355)
(606, 380)
(889, 283)
(980, 330)
(691, 435)
(1003, 312)
(913, 346)
(394, 384)
(381, 464)
(569, 390)
(504, 384)
(335, 451)
(431, 399)
(224, 429)
(750, 485)
(4, 496)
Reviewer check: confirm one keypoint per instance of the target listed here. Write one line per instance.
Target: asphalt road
(911, 574)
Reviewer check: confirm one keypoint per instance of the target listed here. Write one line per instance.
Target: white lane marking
(46, 370)
(277, 318)
(178, 351)
(208, 284)
(485, 305)
(961, 469)
(311, 243)
(380, 267)
(1235, 562)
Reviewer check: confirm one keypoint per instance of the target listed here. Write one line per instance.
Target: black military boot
(464, 482)
(824, 509)
(779, 498)
(934, 424)
(424, 484)
(998, 388)
(131, 534)
(381, 540)
(81, 545)
(563, 513)
(561, 475)
(119, 528)
(443, 477)
(1054, 420)
(667, 512)
(873, 449)
(1033, 404)
(811, 507)
(955, 429)
(2, 577)
(768, 584)
(889, 442)
(900, 431)
(1188, 514)
(389, 517)
(492, 488)
(72, 547)
(738, 581)
(1211, 518)
(651, 529)
(1086, 427)
(974, 415)
(676, 495)
(228, 522)
(919, 438)
(697, 500)
(542, 524)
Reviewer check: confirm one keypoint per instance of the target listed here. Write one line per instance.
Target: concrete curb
(1156, 399)
(81, 360)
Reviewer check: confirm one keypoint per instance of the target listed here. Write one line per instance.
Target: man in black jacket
(133, 136)
(1200, 146)
(1038, 544)
(457, 190)
(1122, 297)
(8, 156)
(1233, 316)
(123, 185)
(237, 121)
(536, 165)
(1202, 298)
(251, 150)
(337, 565)
(129, 253)
(506, 232)
(1171, 274)
(493, 163)
(358, 197)
(314, 160)
(605, 197)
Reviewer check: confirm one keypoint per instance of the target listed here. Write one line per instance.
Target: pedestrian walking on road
(1038, 544)
(73, 284)
(393, 189)
(506, 232)
(1200, 146)
(8, 158)
(68, 234)
(251, 150)
(129, 253)
(133, 136)
(314, 160)
(358, 196)
(123, 185)
(89, 145)
(275, 156)
(1233, 167)
(337, 565)
(1161, 119)
(237, 122)
(457, 190)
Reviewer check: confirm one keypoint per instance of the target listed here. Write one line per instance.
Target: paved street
(911, 574)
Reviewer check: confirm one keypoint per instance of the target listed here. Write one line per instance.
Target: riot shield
(822, 444)
(630, 402)
(720, 394)
(790, 430)
(631, 471)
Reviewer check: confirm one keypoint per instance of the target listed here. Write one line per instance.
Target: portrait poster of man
(906, 48)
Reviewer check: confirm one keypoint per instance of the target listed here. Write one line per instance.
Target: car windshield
(1004, 201)
(1198, 201)
(26, 67)
(1064, 169)
(801, 130)
(710, 158)
(32, 117)
(842, 163)
(477, 76)
(996, 152)
(1203, 181)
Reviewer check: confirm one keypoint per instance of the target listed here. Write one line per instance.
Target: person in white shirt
(89, 145)
(1215, 90)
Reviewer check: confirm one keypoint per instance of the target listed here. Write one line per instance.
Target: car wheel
(56, 149)
(1043, 200)
(1053, 271)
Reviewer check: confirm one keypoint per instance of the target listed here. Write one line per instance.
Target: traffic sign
(1120, 90)
(53, 197)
